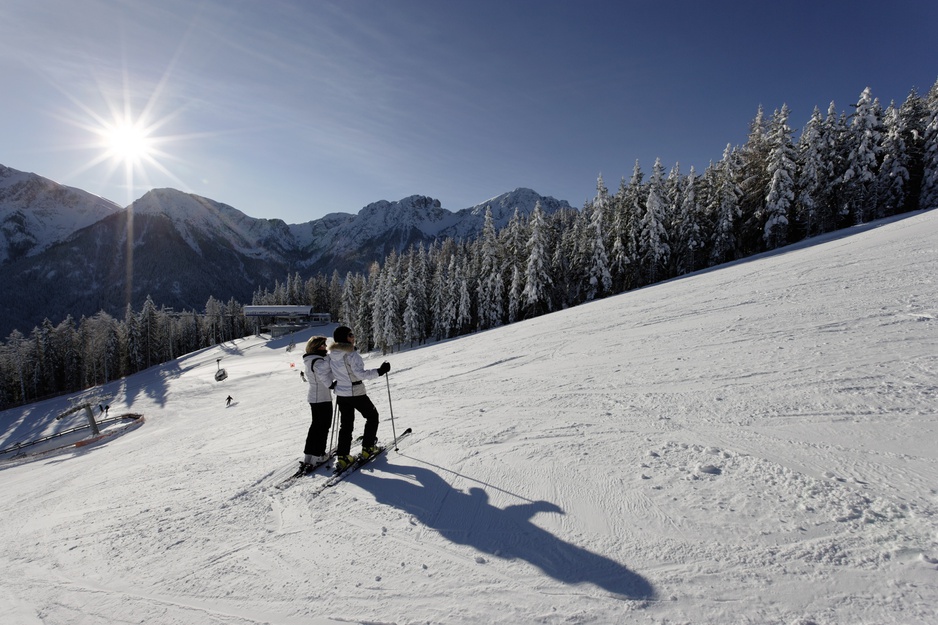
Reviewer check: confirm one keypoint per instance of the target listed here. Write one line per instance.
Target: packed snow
(751, 444)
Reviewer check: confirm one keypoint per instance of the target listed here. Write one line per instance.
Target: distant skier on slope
(319, 377)
(228, 401)
(349, 371)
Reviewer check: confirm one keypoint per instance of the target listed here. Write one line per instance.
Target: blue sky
(292, 110)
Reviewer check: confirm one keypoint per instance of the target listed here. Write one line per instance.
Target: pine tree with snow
(619, 260)
(563, 267)
(810, 176)
(690, 242)
(348, 309)
(674, 198)
(413, 292)
(893, 180)
(725, 208)
(463, 304)
(438, 294)
(578, 250)
(751, 165)
(654, 250)
(535, 298)
(413, 324)
(133, 341)
(490, 283)
(515, 291)
(928, 198)
(630, 203)
(599, 280)
(388, 308)
(781, 169)
(835, 148)
(334, 299)
(365, 330)
(423, 279)
(860, 178)
(513, 241)
(447, 301)
(912, 119)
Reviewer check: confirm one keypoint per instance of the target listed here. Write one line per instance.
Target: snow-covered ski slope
(752, 444)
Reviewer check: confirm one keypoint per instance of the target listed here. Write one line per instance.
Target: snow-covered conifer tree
(835, 145)
(752, 181)
(490, 284)
(653, 247)
(363, 323)
(562, 266)
(515, 289)
(690, 240)
(810, 176)
(441, 304)
(619, 260)
(893, 181)
(535, 298)
(348, 308)
(928, 197)
(444, 299)
(633, 196)
(725, 208)
(598, 276)
(133, 341)
(674, 198)
(781, 169)
(861, 177)
(512, 242)
(463, 303)
(388, 306)
(417, 283)
(413, 324)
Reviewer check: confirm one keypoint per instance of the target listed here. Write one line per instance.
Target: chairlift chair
(221, 374)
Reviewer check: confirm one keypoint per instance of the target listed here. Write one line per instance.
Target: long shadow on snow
(508, 533)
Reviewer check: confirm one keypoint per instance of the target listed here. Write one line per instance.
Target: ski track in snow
(749, 444)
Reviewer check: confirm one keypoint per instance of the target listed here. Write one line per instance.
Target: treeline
(70, 356)
(844, 168)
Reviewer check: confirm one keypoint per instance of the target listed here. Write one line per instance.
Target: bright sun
(127, 142)
(128, 138)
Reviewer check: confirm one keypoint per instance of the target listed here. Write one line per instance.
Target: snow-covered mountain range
(69, 249)
(35, 213)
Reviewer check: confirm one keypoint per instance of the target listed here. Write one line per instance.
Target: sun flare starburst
(126, 135)
(127, 142)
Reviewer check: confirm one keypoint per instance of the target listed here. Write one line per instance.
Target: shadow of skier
(507, 533)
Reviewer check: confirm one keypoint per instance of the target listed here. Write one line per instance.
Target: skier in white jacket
(319, 379)
(349, 373)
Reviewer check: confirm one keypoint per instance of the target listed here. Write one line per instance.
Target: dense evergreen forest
(842, 169)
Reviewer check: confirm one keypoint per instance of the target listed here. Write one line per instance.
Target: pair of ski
(338, 476)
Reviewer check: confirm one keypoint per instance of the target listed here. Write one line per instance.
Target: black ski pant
(347, 408)
(319, 429)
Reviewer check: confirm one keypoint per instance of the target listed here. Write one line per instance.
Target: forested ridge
(843, 168)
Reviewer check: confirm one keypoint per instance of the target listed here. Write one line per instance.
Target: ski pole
(335, 419)
(391, 407)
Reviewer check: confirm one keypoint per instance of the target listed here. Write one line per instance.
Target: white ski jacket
(319, 377)
(348, 370)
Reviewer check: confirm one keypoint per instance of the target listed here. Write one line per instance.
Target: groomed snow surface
(751, 444)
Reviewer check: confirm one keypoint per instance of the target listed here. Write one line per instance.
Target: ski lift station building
(282, 320)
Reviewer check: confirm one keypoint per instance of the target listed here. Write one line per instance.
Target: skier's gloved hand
(384, 368)
(332, 386)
